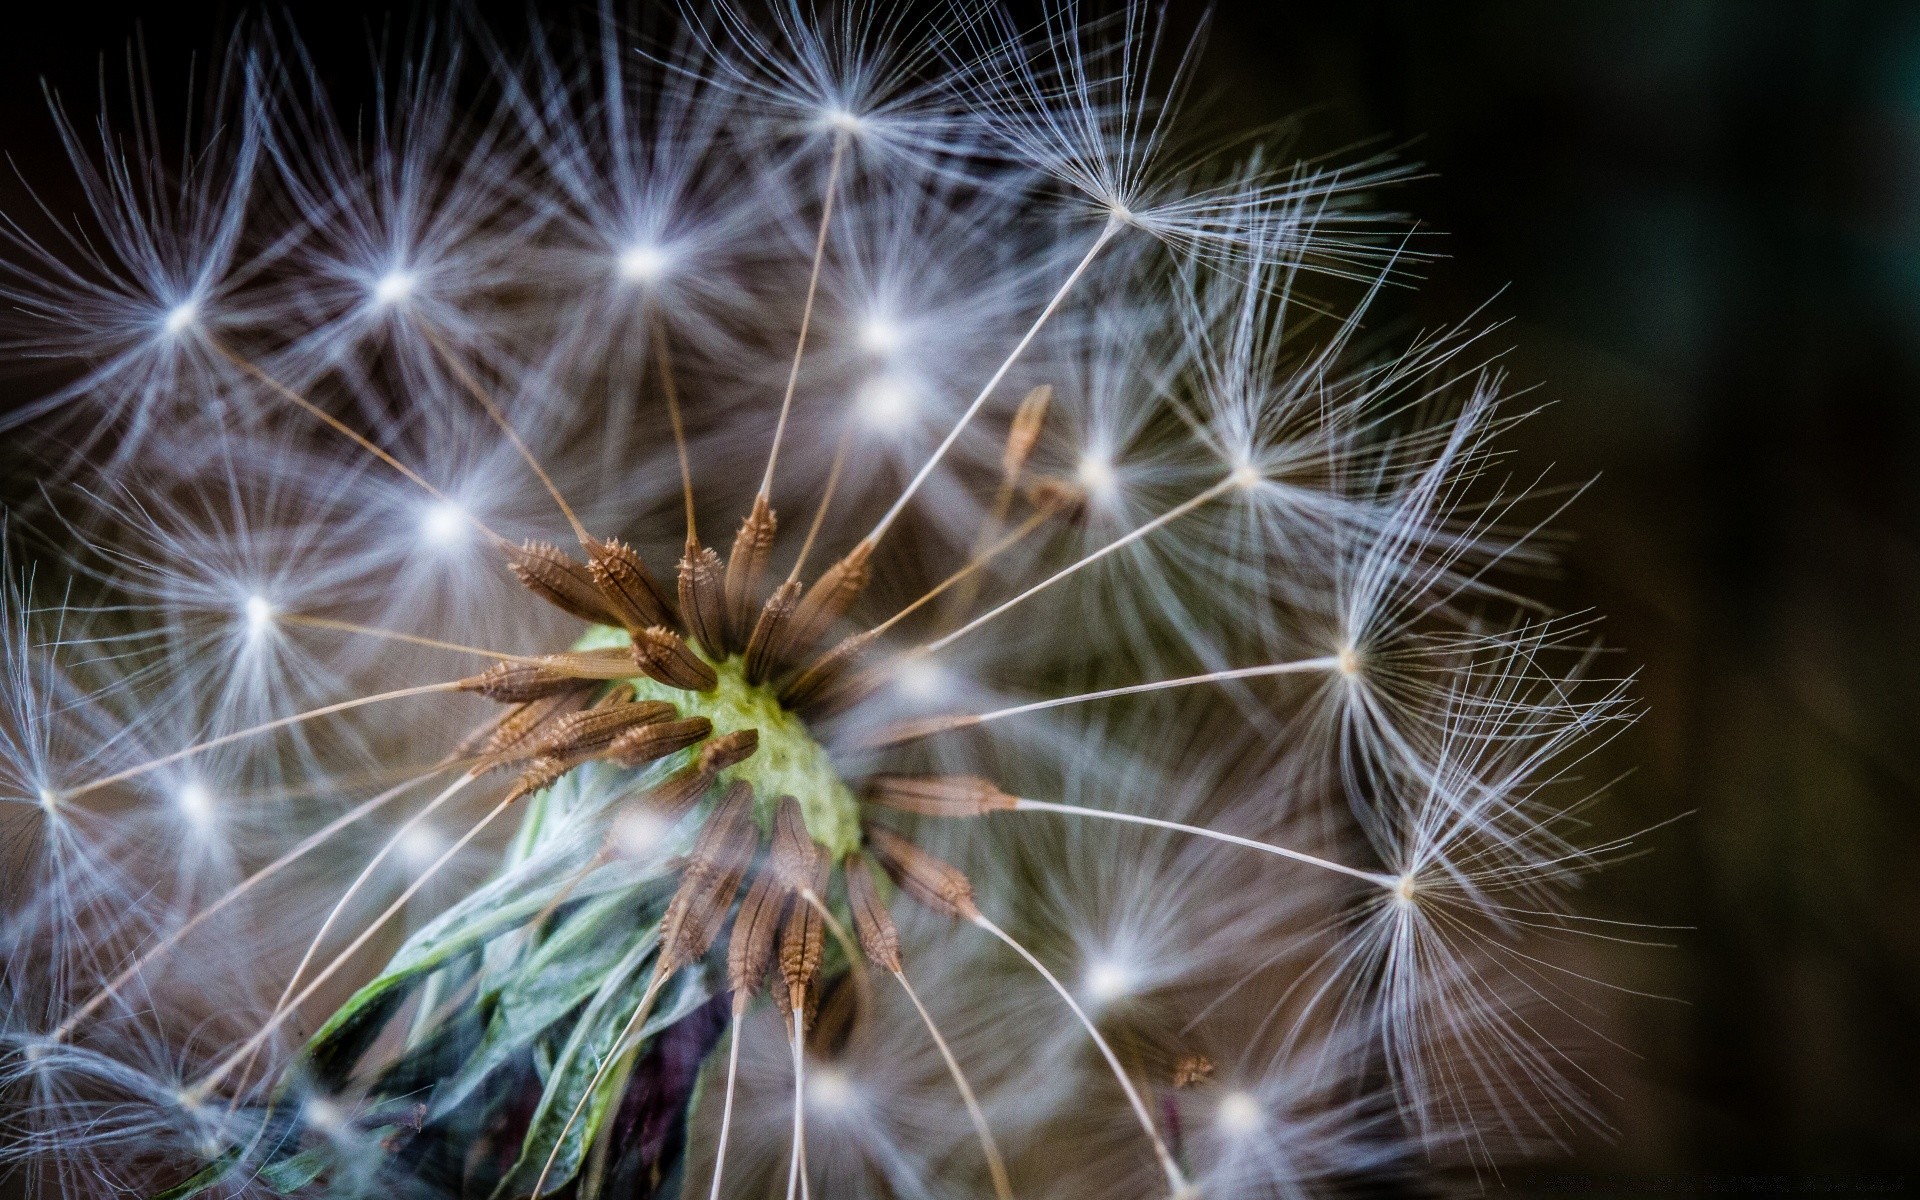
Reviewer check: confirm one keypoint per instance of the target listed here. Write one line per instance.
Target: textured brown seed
(766, 648)
(689, 785)
(560, 581)
(729, 749)
(750, 952)
(830, 597)
(602, 726)
(708, 881)
(937, 884)
(649, 743)
(522, 728)
(750, 945)
(938, 795)
(665, 656)
(543, 772)
(627, 586)
(825, 674)
(517, 683)
(873, 924)
(703, 600)
(746, 565)
(803, 941)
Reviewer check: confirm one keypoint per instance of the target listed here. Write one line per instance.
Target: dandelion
(792, 608)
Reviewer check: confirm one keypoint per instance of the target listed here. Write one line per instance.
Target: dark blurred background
(1705, 217)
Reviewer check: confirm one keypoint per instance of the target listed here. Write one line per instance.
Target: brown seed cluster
(572, 708)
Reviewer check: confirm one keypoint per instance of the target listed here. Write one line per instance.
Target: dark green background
(1706, 217)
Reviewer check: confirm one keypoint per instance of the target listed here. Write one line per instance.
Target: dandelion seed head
(880, 335)
(195, 802)
(829, 1089)
(420, 845)
(1095, 472)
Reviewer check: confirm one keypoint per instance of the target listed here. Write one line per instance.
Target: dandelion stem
(806, 311)
(799, 1098)
(1165, 518)
(299, 851)
(1024, 805)
(410, 638)
(996, 1165)
(479, 394)
(228, 738)
(1112, 227)
(826, 499)
(1175, 1179)
(726, 1106)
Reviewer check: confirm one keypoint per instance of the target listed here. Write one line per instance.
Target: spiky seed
(766, 648)
(567, 585)
(689, 785)
(830, 597)
(795, 856)
(729, 749)
(933, 882)
(1025, 433)
(872, 923)
(522, 728)
(825, 674)
(746, 565)
(938, 795)
(803, 941)
(517, 683)
(665, 656)
(627, 586)
(1192, 1070)
(602, 726)
(709, 879)
(543, 772)
(649, 743)
(750, 945)
(703, 600)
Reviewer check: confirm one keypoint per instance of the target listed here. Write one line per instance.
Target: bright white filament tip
(180, 318)
(885, 403)
(879, 335)
(196, 804)
(638, 832)
(395, 287)
(420, 847)
(444, 524)
(1238, 1115)
(641, 262)
(842, 120)
(919, 679)
(258, 611)
(829, 1089)
(1246, 477)
(1107, 981)
(1096, 474)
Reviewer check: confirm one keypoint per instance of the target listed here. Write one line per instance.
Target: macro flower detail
(1108, 756)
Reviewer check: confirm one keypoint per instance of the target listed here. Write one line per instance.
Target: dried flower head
(797, 605)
